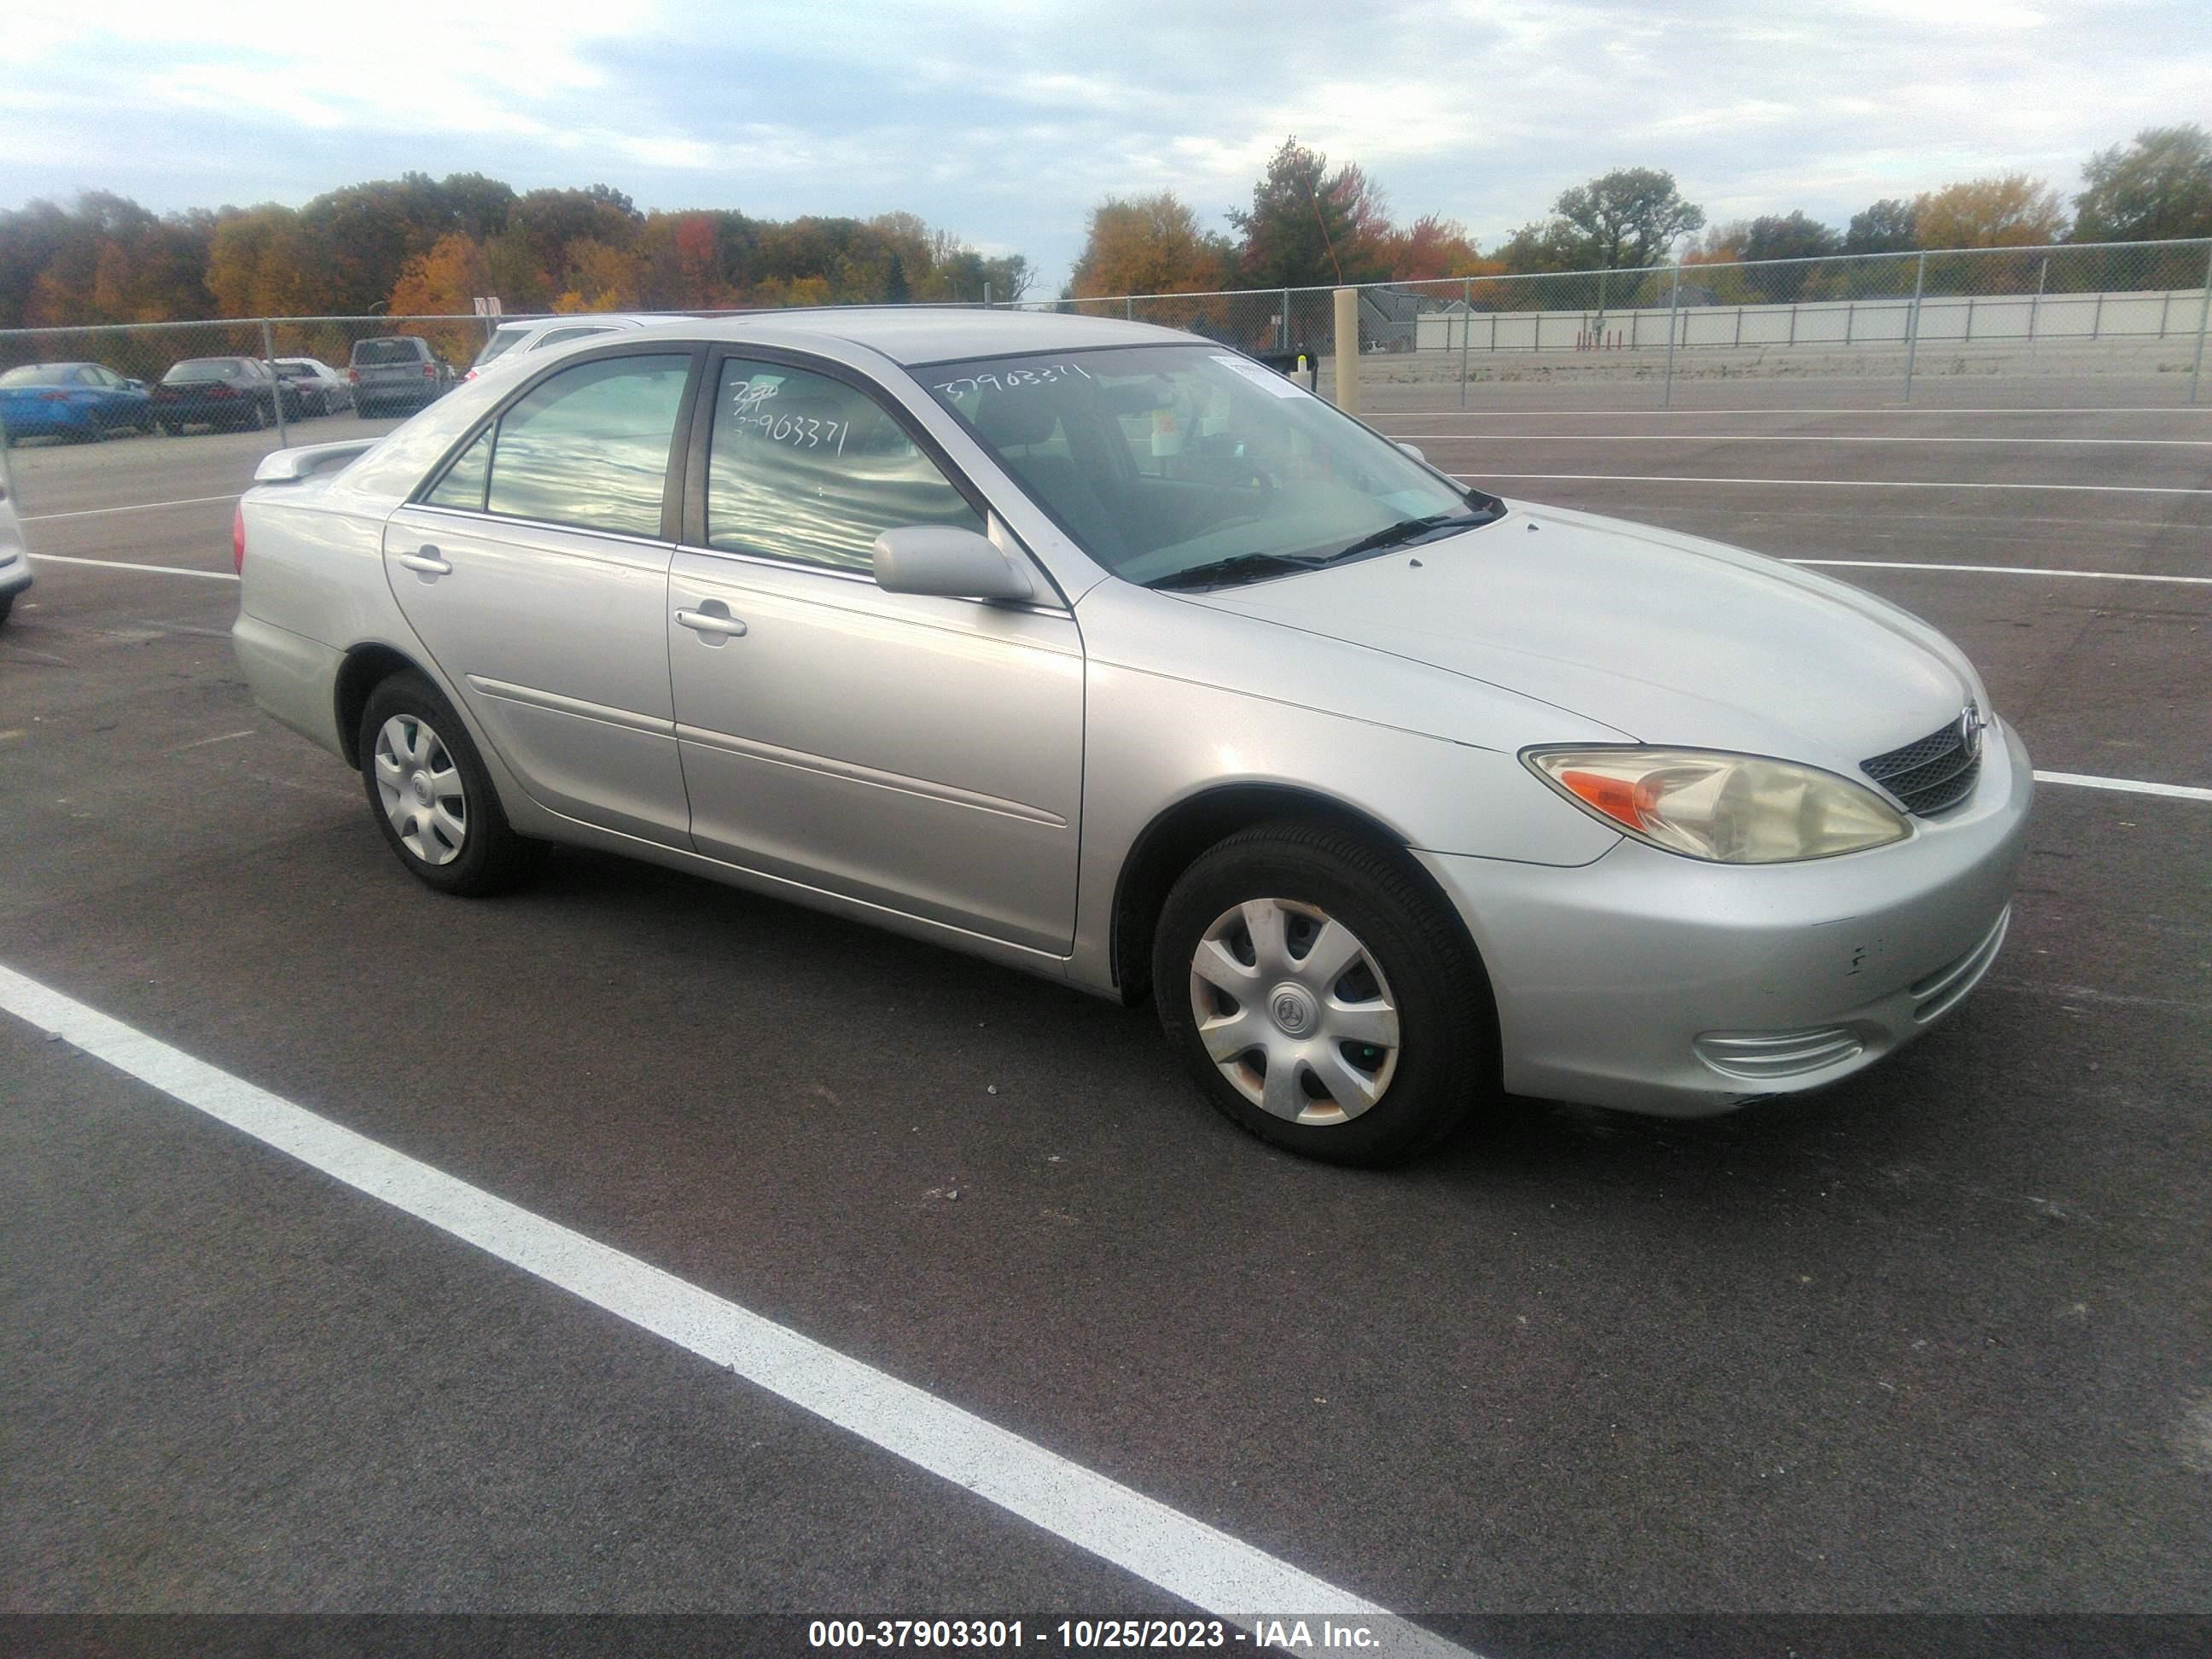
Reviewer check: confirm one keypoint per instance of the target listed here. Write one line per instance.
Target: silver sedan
(1103, 652)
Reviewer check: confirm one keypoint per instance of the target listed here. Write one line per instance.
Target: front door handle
(713, 622)
(427, 562)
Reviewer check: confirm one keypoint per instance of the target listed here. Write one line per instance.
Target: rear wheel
(7, 603)
(431, 796)
(1322, 995)
(174, 428)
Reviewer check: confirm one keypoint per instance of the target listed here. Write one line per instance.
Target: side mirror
(1413, 450)
(949, 563)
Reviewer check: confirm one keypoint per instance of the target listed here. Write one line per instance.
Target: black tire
(491, 858)
(1445, 1063)
(174, 428)
(366, 410)
(7, 603)
(256, 418)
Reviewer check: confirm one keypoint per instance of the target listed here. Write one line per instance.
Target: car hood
(1667, 637)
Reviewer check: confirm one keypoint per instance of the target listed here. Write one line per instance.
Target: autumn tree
(1147, 245)
(1307, 226)
(2011, 209)
(2159, 186)
(445, 282)
(1431, 248)
(601, 277)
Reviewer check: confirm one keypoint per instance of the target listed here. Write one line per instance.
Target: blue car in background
(70, 400)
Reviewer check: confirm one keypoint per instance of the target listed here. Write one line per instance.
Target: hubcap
(1295, 1011)
(420, 789)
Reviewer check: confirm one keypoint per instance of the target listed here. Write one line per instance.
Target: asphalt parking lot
(1936, 1341)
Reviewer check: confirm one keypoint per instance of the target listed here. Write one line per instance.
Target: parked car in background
(511, 342)
(70, 400)
(1103, 651)
(321, 390)
(233, 394)
(224, 394)
(14, 562)
(394, 373)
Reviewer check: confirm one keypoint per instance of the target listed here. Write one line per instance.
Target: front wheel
(1323, 996)
(431, 795)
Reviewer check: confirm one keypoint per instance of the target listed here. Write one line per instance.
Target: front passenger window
(806, 468)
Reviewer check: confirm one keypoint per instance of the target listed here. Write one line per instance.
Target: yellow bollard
(1347, 349)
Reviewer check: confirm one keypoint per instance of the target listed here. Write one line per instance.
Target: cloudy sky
(1005, 120)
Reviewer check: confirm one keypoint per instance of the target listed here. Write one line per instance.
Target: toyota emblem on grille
(1970, 730)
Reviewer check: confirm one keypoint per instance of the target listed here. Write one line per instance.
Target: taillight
(53, 396)
(354, 374)
(221, 391)
(471, 375)
(238, 539)
(429, 372)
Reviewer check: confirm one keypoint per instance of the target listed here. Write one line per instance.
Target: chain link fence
(2055, 327)
(2034, 326)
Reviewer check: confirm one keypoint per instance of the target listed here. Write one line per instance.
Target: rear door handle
(713, 626)
(427, 561)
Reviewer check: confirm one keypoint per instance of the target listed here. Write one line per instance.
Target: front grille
(1938, 771)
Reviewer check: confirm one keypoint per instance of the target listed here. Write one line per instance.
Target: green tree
(1628, 217)
(2159, 186)
(1307, 226)
(1890, 226)
(1784, 236)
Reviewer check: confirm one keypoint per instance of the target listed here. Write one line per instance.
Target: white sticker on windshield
(1261, 376)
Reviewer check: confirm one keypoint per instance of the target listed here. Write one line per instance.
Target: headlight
(1731, 809)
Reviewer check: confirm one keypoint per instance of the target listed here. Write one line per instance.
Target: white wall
(1831, 323)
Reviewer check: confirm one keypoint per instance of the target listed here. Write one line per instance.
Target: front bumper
(1660, 984)
(14, 573)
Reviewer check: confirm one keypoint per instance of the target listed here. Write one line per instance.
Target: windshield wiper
(1412, 530)
(1241, 567)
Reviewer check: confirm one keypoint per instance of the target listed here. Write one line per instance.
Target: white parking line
(38, 559)
(2126, 786)
(1781, 438)
(136, 506)
(1834, 484)
(2001, 570)
(1183, 1556)
(1678, 414)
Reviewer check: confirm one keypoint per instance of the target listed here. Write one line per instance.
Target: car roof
(601, 319)
(910, 335)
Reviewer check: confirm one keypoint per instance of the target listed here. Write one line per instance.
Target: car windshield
(386, 351)
(37, 374)
(203, 369)
(1191, 465)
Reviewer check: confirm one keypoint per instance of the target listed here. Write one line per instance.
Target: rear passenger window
(588, 448)
(806, 468)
